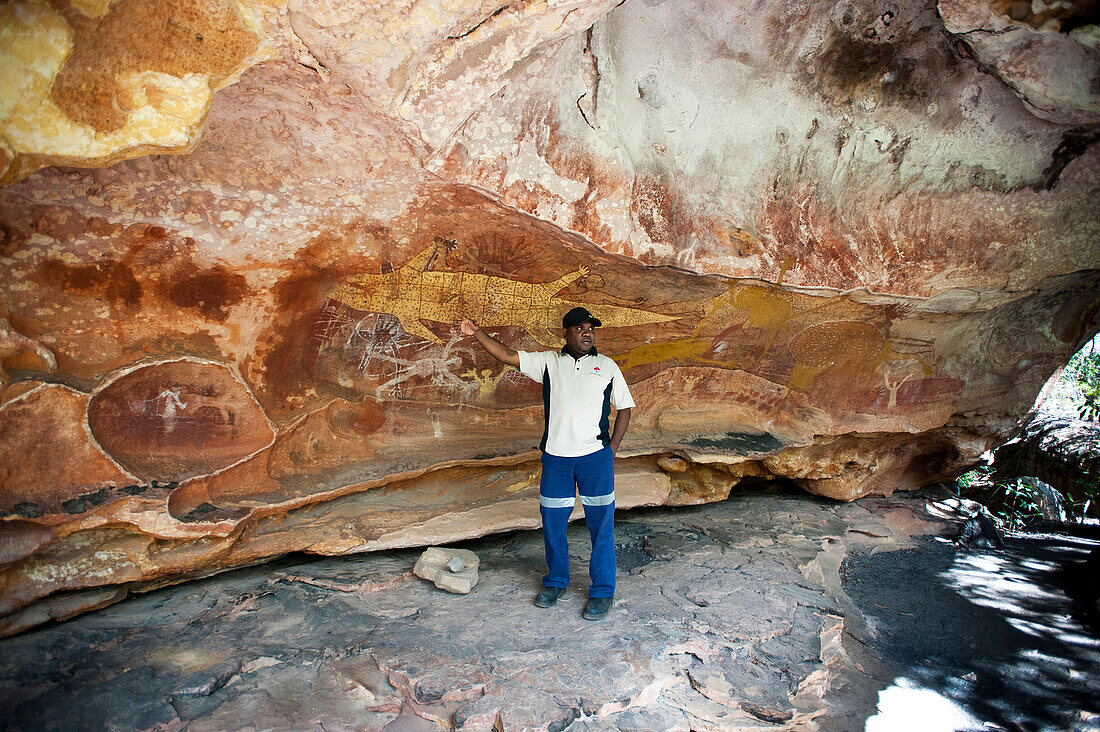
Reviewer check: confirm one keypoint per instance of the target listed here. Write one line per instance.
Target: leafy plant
(1086, 489)
(1077, 390)
(1084, 367)
(973, 477)
(1021, 503)
(1014, 502)
(1090, 401)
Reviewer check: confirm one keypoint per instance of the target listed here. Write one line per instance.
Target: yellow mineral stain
(145, 106)
(34, 42)
(100, 565)
(744, 243)
(529, 480)
(188, 660)
(92, 8)
(803, 376)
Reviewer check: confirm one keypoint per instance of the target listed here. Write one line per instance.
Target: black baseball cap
(576, 316)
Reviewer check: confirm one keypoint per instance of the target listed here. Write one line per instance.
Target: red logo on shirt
(595, 368)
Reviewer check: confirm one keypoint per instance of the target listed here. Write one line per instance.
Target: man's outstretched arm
(496, 349)
(622, 419)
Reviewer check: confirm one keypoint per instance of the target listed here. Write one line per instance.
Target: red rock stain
(107, 279)
(212, 292)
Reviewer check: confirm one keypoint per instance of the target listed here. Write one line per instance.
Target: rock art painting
(827, 246)
(175, 420)
(415, 292)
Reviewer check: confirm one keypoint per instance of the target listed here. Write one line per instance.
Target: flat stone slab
(453, 570)
(751, 614)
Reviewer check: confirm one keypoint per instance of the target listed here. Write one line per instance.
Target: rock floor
(771, 610)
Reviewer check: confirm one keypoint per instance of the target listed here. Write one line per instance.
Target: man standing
(579, 387)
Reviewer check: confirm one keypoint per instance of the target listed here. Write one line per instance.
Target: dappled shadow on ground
(981, 638)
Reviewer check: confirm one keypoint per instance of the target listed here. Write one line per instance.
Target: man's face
(580, 338)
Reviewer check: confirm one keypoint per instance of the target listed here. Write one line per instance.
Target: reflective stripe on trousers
(605, 500)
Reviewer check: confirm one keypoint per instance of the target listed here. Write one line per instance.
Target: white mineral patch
(528, 166)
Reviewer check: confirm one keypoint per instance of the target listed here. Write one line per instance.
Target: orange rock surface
(826, 245)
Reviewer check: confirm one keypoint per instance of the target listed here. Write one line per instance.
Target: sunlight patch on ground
(905, 706)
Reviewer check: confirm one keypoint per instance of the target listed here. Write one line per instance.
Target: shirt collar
(566, 352)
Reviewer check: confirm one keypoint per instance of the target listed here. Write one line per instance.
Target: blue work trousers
(593, 476)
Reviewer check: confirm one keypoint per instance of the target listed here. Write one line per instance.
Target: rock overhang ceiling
(845, 243)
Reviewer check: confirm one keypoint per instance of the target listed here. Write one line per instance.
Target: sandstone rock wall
(844, 243)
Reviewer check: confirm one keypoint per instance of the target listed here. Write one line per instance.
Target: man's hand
(468, 327)
(496, 349)
(622, 419)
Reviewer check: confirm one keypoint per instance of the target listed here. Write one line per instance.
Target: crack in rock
(492, 15)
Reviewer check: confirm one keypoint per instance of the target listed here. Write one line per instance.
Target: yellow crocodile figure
(414, 293)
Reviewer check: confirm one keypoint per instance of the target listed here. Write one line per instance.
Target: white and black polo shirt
(577, 395)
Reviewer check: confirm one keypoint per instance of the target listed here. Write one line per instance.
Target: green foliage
(1084, 369)
(1090, 404)
(1077, 390)
(1086, 487)
(973, 477)
(1021, 503)
(1017, 502)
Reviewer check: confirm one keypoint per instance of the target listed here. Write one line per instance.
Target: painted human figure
(579, 387)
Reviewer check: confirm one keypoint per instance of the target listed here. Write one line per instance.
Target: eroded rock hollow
(842, 242)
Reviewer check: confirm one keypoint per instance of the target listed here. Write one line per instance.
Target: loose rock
(453, 570)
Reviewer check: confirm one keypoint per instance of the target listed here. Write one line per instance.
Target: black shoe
(596, 608)
(549, 596)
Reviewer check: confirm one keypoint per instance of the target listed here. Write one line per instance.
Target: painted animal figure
(414, 293)
(683, 350)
